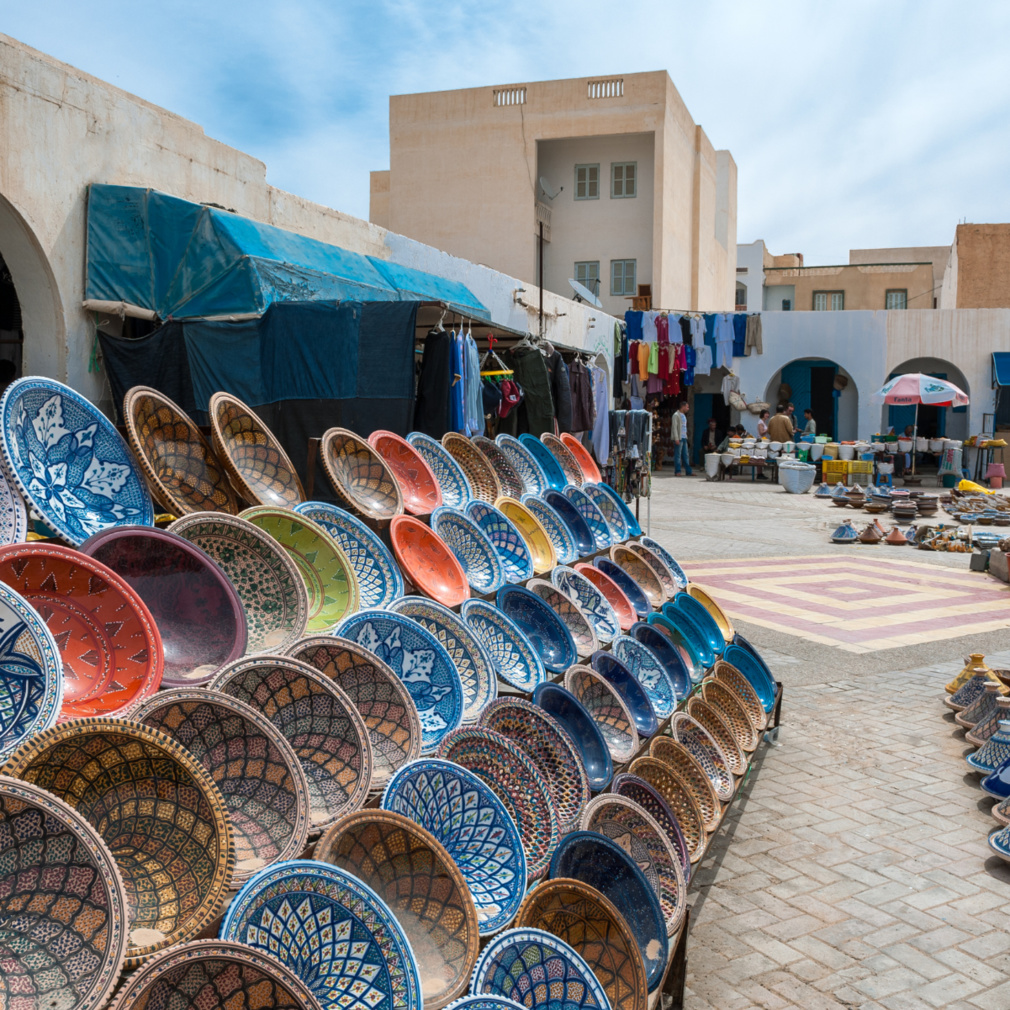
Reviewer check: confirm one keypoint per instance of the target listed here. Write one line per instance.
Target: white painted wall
(751, 256)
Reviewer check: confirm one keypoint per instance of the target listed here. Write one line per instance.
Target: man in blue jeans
(678, 435)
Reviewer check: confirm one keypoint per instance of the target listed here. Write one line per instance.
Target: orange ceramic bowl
(616, 597)
(427, 561)
(587, 464)
(420, 490)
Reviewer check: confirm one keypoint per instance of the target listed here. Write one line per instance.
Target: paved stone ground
(853, 870)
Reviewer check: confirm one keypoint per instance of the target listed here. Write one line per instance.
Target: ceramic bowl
(511, 483)
(702, 620)
(645, 666)
(418, 486)
(507, 541)
(473, 826)
(318, 720)
(593, 517)
(622, 820)
(590, 601)
(517, 964)
(554, 526)
(693, 775)
(631, 691)
(729, 675)
(572, 717)
(668, 559)
(683, 646)
(590, 471)
(541, 549)
(601, 863)
(515, 780)
(681, 621)
(269, 586)
(380, 697)
(64, 905)
(650, 800)
(480, 475)
(691, 735)
(427, 561)
(69, 462)
(719, 729)
(360, 476)
(607, 709)
(680, 800)
(378, 577)
(327, 913)
(566, 459)
(634, 529)
(13, 514)
(196, 609)
(583, 634)
(476, 672)
(451, 480)
(220, 974)
(524, 463)
(628, 585)
(108, 643)
(612, 592)
(668, 655)
(330, 583)
(645, 578)
(659, 568)
(545, 460)
(541, 625)
(578, 528)
(177, 870)
(181, 467)
(414, 875)
(512, 654)
(550, 749)
(420, 661)
(756, 672)
(614, 516)
(255, 461)
(726, 702)
(592, 926)
(471, 548)
(715, 611)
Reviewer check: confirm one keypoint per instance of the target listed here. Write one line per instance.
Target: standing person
(763, 423)
(678, 435)
(810, 428)
(780, 428)
(791, 414)
(711, 437)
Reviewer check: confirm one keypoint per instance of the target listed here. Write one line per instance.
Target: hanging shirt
(474, 393)
(649, 327)
(601, 427)
(663, 329)
(560, 391)
(431, 409)
(690, 360)
(702, 360)
(739, 333)
(643, 361)
(674, 325)
(724, 335)
(581, 383)
(653, 359)
(730, 384)
(633, 320)
(457, 390)
(620, 357)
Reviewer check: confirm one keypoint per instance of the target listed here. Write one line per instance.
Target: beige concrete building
(978, 268)
(628, 188)
(850, 286)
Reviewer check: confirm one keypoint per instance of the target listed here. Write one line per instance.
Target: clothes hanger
(441, 319)
(499, 369)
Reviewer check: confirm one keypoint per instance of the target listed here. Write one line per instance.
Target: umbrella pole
(915, 432)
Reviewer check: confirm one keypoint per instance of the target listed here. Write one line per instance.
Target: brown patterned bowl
(252, 764)
(688, 769)
(744, 690)
(590, 471)
(539, 543)
(426, 560)
(691, 735)
(641, 572)
(360, 475)
(394, 728)
(582, 632)
(659, 567)
(420, 490)
(590, 923)
(214, 975)
(678, 797)
(607, 709)
(708, 716)
(475, 465)
(318, 719)
(256, 462)
(508, 477)
(184, 473)
(565, 457)
(411, 871)
(727, 703)
(175, 855)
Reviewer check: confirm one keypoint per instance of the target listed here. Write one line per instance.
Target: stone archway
(939, 421)
(836, 415)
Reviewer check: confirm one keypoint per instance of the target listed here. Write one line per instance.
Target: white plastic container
(816, 451)
(904, 445)
(846, 452)
(711, 463)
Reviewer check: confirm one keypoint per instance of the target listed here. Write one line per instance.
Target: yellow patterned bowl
(541, 548)
(718, 614)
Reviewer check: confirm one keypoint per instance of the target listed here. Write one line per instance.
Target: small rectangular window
(826, 301)
(623, 179)
(896, 298)
(587, 182)
(587, 273)
(622, 277)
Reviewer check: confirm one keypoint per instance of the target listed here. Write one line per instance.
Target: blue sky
(853, 124)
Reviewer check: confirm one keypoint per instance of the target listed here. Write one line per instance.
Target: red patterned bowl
(420, 490)
(612, 591)
(587, 464)
(427, 561)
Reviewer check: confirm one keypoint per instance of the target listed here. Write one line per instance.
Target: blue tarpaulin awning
(1000, 368)
(175, 258)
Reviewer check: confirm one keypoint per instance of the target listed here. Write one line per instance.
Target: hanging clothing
(457, 387)
(690, 360)
(673, 322)
(724, 340)
(730, 384)
(536, 412)
(663, 329)
(633, 321)
(649, 326)
(431, 409)
(692, 329)
(620, 357)
(643, 361)
(582, 396)
(753, 338)
(653, 359)
(739, 333)
(702, 360)
(561, 391)
(601, 426)
(474, 392)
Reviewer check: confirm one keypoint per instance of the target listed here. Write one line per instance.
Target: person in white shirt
(763, 423)
(678, 434)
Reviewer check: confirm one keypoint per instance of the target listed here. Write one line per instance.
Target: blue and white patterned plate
(634, 529)
(69, 461)
(646, 668)
(13, 514)
(484, 1003)
(530, 472)
(472, 549)
(585, 542)
(616, 522)
(480, 685)
(419, 660)
(545, 460)
(540, 969)
(451, 480)
(543, 628)
(555, 527)
(511, 652)
(505, 539)
(678, 669)
(671, 561)
(590, 601)
(593, 517)
(626, 584)
(332, 930)
(476, 830)
(379, 578)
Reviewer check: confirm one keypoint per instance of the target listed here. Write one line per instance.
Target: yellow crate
(834, 471)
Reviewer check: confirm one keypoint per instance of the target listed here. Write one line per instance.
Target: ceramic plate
(509, 480)
(480, 685)
(682, 625)
(378, 694)
(566, 459)
(668, 558)
(251, 763)
(196, 609)
(720, 731)
(646, 667)
(570, 714)
(530, 473)
(607, 709)
(427, 561)
(634, 696)
(582, 535)
(593, 517)
(702, 620)
(418, 486)
(539, 543)
(417, 658)
(473, 550)
(451, 480)
(267, 581)
(699, 742)
(475, 828)
(13, 514)
(69, 461)
(678, 797)
(360, 475)
(505, 539)
(691, 662)
(545, 460)
(692, 774)
(645, 578)
(727, 703)
(555, 527)
(631, 589)
(649, 799)
(330, 583)
(659, 567)
(332, 930)
(480, 475)
(542, 626)
(634, 530)
(755, 671)
(578, 625)
(510, 651)
(179, 463)
(667, 653)
(619, 603)
(590, 601)
(257, 465)
(744, 690)
(616, 522)
(590, 471)
(717, 613)
(318, 719)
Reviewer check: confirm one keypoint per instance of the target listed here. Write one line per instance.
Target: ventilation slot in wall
(612, 87)
(509, 96)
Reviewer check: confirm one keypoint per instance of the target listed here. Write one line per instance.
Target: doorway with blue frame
(811, 383)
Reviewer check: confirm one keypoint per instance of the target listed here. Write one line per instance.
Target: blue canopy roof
(188, 260)
(1001, 368)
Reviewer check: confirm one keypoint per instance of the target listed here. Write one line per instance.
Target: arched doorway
(933, 422)
(823, 386)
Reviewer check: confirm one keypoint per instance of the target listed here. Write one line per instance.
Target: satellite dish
(583, 294)
(549, 191)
